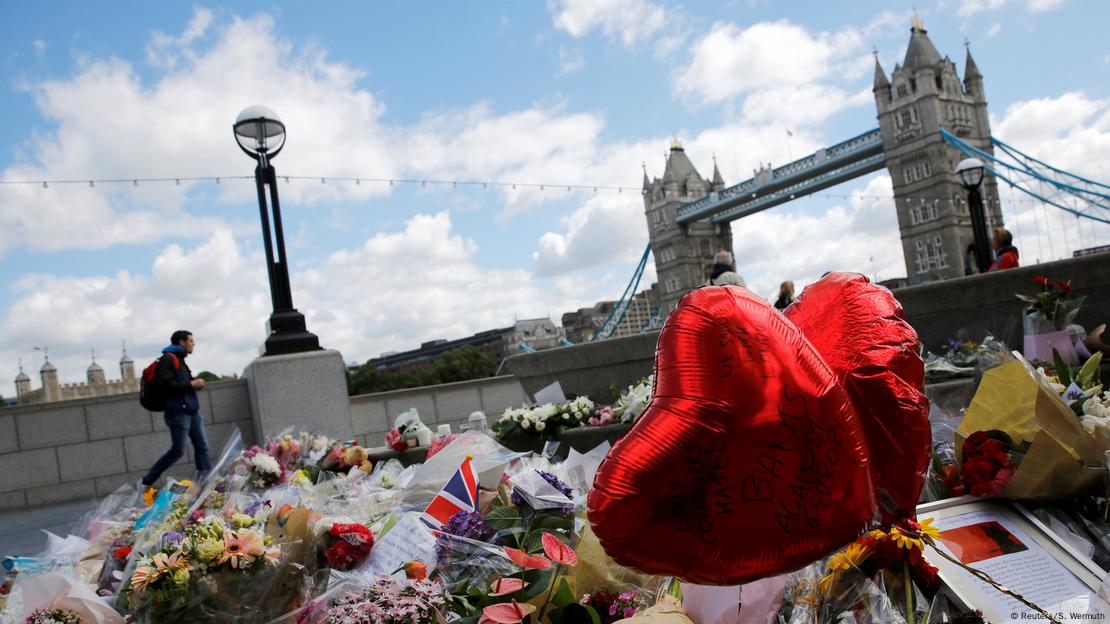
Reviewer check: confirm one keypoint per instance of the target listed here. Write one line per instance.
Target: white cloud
(1041, 6)
(165, 51)
(528, 146)
(630, 21)
(1070, 132)
(40, 47)
(968, 8)
(392, 292)
(781, 243)
(801, 104)
(108, 122)
(730, 61)
(603, 229)
(570, 62)
(993, 31)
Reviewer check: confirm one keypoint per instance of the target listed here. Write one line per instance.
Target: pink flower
(557, 551)
(506, 613)
(504, 586)
(524, 560)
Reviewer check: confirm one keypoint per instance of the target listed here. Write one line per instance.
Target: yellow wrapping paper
(1064, 459)
(596, 571)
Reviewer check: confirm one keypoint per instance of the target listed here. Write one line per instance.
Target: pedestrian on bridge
(182, 414)
(786, 295)
(1005, 254)
(724, 271)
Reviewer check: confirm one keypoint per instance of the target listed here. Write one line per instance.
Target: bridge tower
(683, 252)
(923, 95)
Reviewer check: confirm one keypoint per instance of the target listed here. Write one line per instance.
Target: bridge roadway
(826, 167)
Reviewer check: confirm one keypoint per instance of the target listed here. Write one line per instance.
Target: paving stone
(142, 450)
(230, 401)
(12, 500)
(74, 490)
(368, 416)
(457, 404)
(497, 397)
(424, 403)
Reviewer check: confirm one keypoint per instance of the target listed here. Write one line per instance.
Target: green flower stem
(547, 601)
(909, 592)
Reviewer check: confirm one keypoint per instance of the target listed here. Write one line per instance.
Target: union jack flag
(460, 493)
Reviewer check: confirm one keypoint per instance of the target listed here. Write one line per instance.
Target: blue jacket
(181, 398)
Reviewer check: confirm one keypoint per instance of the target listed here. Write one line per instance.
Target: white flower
(526, 423)
(265, 464)
(540, 426)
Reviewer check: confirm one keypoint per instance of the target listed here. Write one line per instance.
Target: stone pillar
(303, 390)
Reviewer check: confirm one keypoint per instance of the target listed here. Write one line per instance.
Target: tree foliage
(461, 364)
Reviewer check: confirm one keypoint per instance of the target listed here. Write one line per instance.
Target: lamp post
(970, 171)
(261, 135)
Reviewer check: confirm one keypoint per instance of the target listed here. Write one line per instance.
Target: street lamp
(261, 135)
(970, 171)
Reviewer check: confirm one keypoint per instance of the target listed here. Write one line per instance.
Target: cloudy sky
(576, 92)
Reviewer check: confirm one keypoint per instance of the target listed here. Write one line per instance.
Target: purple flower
(468, 524)
(170, 540)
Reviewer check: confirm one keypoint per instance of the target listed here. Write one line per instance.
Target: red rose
(341, 555)
(1040, 279)
(1065, 287)
(122, 553)
(977, 471)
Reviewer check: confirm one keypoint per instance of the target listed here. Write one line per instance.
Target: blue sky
(567, 91)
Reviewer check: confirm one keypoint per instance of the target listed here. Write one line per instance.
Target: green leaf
(575, 614)
(538, 581)
(1063, 371)
(563, 596)
(501, 518)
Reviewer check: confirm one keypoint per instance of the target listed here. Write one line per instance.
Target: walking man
(182, 414)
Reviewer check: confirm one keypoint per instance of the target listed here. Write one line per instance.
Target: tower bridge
(688, 215)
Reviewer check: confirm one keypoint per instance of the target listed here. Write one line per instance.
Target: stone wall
(72, 450)
(974, 305)
(450, 403)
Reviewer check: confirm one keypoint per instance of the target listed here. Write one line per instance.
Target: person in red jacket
(1005, 254)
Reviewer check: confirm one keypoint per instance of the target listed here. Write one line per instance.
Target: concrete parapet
(300, 390)
(588, 369)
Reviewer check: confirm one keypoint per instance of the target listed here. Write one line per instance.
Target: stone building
(643, 314)
(97, 383)
(683, 253)
(923, 95)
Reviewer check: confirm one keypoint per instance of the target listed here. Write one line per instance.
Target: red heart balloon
(858, 329)
(748, 462)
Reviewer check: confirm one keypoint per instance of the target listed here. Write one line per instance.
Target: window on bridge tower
(902, 91)
(907, 118)
(913, 85)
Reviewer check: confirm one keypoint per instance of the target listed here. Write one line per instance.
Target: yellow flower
(149, 495)
(905, 540)
(209, 548)
(143, 577)
(850, 558)
(928, 530)
(300, 478)
(181, 577)
(242, 520)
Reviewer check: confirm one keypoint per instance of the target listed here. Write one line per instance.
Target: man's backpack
(151, 395)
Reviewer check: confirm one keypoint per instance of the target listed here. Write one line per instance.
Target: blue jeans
(182, 426)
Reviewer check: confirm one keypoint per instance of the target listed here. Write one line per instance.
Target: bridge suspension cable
(1071, 193)
(616, 315)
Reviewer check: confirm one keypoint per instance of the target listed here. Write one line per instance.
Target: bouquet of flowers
(53, 616)
(633, 401)
(296, 452)
(194, 573)
(1046, 315)
(345, 545)
(545, 421)
(989, 461)
(260, 468)
(388, 600)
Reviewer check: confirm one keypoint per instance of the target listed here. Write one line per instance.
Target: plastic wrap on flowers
(214, 572)
(381, 599)
(750, 459)
(858, 329)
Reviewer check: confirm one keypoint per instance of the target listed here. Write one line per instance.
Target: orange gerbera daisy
(143, 577)
(241, 548)
(168, 563)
